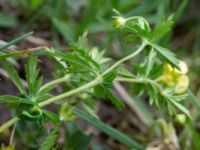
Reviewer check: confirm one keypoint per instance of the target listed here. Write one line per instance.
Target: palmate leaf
(50, 140)
(117, 135)
(82, 49)
(82, 43)
(180, 107)
(162, 28)
(14, 99)
(77, 61)
(168, 55)
(32, 73)
(14, 77)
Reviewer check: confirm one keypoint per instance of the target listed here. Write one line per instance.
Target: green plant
(84, 74)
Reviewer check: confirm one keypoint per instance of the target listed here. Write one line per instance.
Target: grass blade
(195, 101)
(15, 40)
(109, 130)
(20, 52)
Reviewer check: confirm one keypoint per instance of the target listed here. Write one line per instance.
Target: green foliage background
(62, 21)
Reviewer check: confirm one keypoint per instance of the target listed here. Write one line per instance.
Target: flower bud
(173, 77)
(181, 119)
(183, 68)
(119, 22)
(168, 68)
(182, 84)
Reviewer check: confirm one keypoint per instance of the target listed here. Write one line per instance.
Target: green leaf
(34, 83)
(115, 101)
(50, 140)
(117, 135)
(194, 100)
(125, 73)
(180, 107)
(144, 24)
(168, 55)
(14, 99)
(7, 21)
(179, 11)
(64, 29)
(108, 79)
(52, 116)
(14, 77)
(78, 141)
(196, 138)
(105, 93)
(31, 116)
(153, 92)
(78, 61)
(150, 61)
(136, 30)
(90, 110)
(162, 28)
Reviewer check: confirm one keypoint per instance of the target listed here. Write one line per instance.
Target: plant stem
(72, 92)
(125, 58)
(8, 124)
(92, 83)
(12, 134)
(54, 82)
(130, 80)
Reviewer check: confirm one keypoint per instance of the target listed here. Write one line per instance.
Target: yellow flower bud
(173, 77)
(168, 68)
(181, 119)
(94, 52)
(183, 68)
(182, 84)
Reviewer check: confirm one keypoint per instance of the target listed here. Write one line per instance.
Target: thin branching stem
(55, 82)
(8, 124)
(125, 58)
(91, 84)
(12, 134)
(71, 92)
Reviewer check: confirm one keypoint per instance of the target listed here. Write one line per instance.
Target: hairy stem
(119, 62)
(91, 84)
(72, 92)
(8, 124)
(55, 82)
(130, 80)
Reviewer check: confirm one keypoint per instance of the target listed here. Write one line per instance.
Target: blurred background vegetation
(58, 23)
